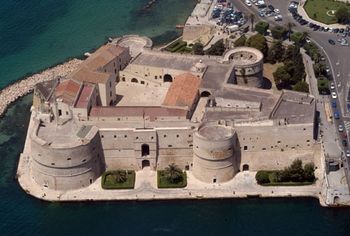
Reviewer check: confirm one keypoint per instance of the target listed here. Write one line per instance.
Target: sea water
(35, 34)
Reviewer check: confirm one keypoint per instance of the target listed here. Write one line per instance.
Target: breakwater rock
(22, 87)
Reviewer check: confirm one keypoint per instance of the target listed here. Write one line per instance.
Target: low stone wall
(14, 91)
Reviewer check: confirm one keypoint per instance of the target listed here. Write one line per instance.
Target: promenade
(22, 87)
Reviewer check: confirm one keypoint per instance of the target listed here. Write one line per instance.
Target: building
(155, 108)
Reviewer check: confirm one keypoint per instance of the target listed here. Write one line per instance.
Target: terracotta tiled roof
(183, 91)
(103, 56)
(151, 112)
(68, 91)
(84, 74)
(84, 96)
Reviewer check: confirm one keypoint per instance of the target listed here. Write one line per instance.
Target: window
(102, 136)
(125, 136)
(278, 141)
(52, 164)
(68, 159)
(170, 145)
(164, 136)
(115, 136)
(67, 113)
(189, 135)
(137, 138)
(59, 112)
(84, 160)
(110, 93)
(177, 136)
(245, 148)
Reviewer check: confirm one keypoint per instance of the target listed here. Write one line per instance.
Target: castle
(129, 106)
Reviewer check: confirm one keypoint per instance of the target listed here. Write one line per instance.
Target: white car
(334, 95)
(278, 18)
(344, 42)
(332, 86)
(340, 128)
(277, 11)
(308, 40)
(248, 3)
(348, 153)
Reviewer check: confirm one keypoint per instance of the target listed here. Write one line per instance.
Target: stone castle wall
(68, 166)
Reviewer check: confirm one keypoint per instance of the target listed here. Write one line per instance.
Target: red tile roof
(86, 75)
(183, 91)
(68, 91)
(85, 95)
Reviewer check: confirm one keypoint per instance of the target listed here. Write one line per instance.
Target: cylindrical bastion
(214, 148)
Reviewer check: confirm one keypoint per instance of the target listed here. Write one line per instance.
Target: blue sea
(35, 34)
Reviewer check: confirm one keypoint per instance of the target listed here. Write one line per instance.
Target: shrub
(240, 41)
(278, 32)
(261, 27)
(262, 177)
(217, 49)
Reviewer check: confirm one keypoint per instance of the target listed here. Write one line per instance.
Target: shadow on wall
(238, 155)
(266, 83)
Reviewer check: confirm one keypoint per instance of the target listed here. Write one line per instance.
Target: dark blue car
(336, 115)
(334, 104)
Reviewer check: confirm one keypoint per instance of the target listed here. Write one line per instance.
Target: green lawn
(317, 10)
(109, 182)
(164, 183)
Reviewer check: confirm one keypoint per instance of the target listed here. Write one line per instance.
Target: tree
(309, 172)
(173, 173)
(217, 49)
(252, 18)
(120, 176)
(342, 14)
(259, 42)
(294, 172)
(298, 38)
(281, 76)
(301, 86)
(261, 27)
(240, 41)
(290, 25)
(278, 32)
(275, 52)
(198, 49)
(262, 177)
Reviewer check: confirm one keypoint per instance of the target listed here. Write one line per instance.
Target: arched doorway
(205, 94)
(245, 167)
(145, 163)
(167, 78)
(133, 80)
(144, 150)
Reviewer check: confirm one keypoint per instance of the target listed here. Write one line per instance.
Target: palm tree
(304, 35)
(252, 18)
(120, 176)
(173, 173)
(290, 25)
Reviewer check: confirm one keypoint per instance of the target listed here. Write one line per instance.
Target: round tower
(248, 66)
(214, 148)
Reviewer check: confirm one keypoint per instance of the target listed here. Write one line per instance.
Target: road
(338, 59)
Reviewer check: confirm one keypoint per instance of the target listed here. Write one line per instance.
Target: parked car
(334, 95)
(334, 104)
(332, 86)
(331, 41)
(347, 153)
(345, 143)
(340, 128)
(336, 115)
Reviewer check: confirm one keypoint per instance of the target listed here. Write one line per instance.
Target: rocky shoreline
(22, 87)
